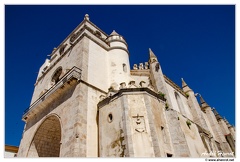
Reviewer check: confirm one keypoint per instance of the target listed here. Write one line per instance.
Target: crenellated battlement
(132, 84)
(141, 66)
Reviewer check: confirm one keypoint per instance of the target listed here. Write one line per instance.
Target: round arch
(56, 75)
(46, 141)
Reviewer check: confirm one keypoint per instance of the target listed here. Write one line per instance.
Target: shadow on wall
(60, 99)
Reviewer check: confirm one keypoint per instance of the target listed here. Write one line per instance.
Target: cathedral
(89, 102)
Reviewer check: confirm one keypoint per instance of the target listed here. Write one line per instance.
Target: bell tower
(61, 119)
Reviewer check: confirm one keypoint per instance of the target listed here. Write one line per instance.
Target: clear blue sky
(193, 42)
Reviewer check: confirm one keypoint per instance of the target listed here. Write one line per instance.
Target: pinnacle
(218, 116)
(184, 84)
(202, 100)
(86, 17)
(152, 55)
(214, 111)
(185, 87)
(203, 103)
(114, 33)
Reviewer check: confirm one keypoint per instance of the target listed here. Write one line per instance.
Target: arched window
(180, 104)
(98, 34)
(56, 75)
(62, 48)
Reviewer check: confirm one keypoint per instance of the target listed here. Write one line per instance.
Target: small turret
(114, 33)
(116, 41)
(156, 74)
(119, 66)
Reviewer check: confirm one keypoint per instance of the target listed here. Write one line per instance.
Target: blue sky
(196, 43)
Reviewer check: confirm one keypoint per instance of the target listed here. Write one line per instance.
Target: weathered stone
(88, 103)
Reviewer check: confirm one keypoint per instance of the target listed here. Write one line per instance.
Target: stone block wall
(131, 125)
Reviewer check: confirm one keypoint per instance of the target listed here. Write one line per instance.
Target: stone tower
(87, 102)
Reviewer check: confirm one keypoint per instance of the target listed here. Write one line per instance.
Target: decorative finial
(54, 49)
(86, 17)
(203, 102)
(152, 56)
(184, 84)
(185, 87)
(114, 33)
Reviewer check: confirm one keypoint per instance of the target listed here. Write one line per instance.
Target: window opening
(125, 68)
(56, 75)
(169, 155)
(110, 118)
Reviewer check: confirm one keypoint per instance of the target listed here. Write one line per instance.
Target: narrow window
(62, 48)
(56, 75)
(110, 118)
(125, 68)
(98, 34)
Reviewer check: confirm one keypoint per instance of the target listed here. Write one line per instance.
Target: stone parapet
(121, 91)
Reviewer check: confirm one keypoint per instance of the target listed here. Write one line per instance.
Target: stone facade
(87, 102)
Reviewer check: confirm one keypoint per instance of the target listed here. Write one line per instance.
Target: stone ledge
(125, 90)
(73, 74)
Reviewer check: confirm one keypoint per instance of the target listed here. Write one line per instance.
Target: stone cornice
(97, 28)
(129, 90)
(117, 40)
(72, 74)
(146, 72)
(69, 35)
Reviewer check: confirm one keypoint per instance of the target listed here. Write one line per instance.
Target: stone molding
(129, 90)
(143, 72)
(117, 40)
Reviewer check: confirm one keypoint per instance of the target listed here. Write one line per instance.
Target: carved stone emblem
(139, 124)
